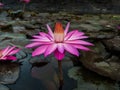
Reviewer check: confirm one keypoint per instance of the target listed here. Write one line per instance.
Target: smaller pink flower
(1, 4)
(25, 1)
(6, 53)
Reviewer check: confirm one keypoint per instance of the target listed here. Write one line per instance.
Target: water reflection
(47, 76)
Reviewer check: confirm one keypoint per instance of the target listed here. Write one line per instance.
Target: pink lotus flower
(6, 53)
(1, 4)
(25, 1)
(59, 41)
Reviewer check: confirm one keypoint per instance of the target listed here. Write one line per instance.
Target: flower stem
(24, 5)
(60, 73)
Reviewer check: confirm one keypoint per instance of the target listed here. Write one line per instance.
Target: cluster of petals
(8, 52)
(59, 41)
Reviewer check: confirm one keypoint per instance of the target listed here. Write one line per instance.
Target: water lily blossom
(1, 4)
(25, 1)
(6, 53)
(59, 41)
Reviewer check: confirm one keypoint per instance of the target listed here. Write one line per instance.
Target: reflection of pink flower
(6, 54)
(59, 42)
(25, 1)
(1, 4)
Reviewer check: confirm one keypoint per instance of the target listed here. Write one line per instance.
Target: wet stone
(18, 28)
(38, 59)
(3, 87)
(87, 80)
(9, 72)
(113, 44)
(100, 63)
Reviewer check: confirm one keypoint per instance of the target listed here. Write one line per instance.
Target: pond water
(44, 76)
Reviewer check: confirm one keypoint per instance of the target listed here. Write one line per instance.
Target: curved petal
(39, 50)
(51, 48)
(71, 49)
(5, 50)
(8, 51)
(11, 58)
(58, 55)
(50, 31)
(41, 39)
(81, 47)
(60, 47)
(33, 44)
(67, 28)
(45, 36)
(79, 42)
(73, 34)
(13, 52)
(37, 37)
(42, 34)
(77, 37)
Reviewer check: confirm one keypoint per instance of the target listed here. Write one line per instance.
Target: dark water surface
(44, 77)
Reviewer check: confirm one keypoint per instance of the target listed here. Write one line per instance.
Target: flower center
(59, 32)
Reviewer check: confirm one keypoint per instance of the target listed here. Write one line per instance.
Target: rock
(13, 35)
(18, 29)
(98, 62)
(87, 80)
(113, 45)
(9, 72)
(100, 35)
(19, 42)
(3, 87)
(89, 27)
(16, 14)
(38, 59)
(44, 14)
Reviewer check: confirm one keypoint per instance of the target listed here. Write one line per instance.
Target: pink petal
(60, 47)
(77, 37)
(39, 50)
(41, 39)
(50, 31)
(71, 49)
(37, 37)
(67, 28)
(79, 42)
(73, 33)
(58, 55)
(81, 47)
(13, 52)
(51, 48)
(1, 4)
(33, 45)
(42, 34)
(5, 50)
(8, 50)
(11, 58)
